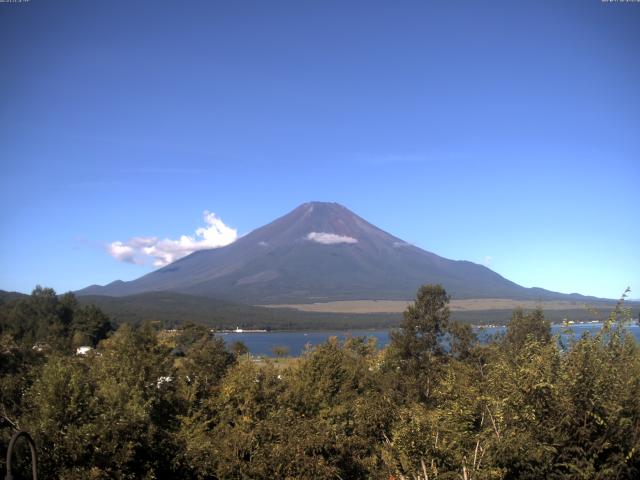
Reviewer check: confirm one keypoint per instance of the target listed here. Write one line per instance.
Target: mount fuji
(321, 252)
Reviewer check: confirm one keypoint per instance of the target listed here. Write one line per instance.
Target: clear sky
(505, 133)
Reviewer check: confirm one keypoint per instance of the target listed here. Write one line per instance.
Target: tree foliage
(433, 404)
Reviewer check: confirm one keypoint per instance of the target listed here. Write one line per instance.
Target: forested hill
(9, 296)
(173, 309)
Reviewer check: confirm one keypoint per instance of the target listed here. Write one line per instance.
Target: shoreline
(373, 329)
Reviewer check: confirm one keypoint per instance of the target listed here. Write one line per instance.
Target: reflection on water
(295, 342)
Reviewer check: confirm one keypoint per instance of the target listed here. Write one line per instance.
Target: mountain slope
(320, 252)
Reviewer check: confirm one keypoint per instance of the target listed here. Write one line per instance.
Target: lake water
(262, 343)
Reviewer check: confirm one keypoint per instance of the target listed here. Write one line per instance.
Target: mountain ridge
(321, 251)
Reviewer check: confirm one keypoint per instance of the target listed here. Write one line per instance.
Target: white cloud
(487, 261)
(122, 252)
(330, 238)
(140, 250)
(401, 244)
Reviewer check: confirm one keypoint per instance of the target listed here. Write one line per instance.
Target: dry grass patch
(397, 306)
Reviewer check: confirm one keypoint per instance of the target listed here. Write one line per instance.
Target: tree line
(434, 404)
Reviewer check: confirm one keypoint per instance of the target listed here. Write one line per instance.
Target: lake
(262, 343)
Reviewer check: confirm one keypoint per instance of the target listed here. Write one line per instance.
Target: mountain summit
(320, 252)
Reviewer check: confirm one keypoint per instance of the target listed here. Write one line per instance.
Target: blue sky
(505, 133)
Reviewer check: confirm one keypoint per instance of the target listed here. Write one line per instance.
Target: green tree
(525, 326)
(134, 387)
(200, 371)
(89, 325)
(239, 348)
(599, 428)
(416, 350)
(62, 413)
(37, 318)
(424, 324)
(57, 322)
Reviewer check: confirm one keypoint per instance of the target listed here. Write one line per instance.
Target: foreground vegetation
(434, 404)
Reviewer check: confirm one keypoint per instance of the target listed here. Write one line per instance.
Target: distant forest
(171, 310)
(147, 403)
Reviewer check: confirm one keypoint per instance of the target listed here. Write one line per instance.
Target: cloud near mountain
(330, 238)
(141, 250)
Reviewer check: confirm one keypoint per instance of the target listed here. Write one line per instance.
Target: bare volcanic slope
(320, 252)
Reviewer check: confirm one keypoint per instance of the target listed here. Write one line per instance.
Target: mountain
(320, 252)
(6, 297)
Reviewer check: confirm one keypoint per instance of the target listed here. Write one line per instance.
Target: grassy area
(473, 304)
